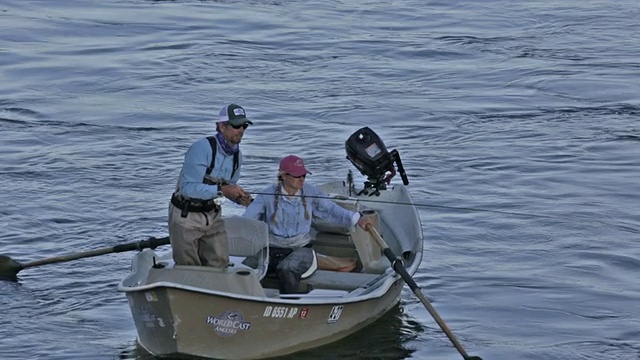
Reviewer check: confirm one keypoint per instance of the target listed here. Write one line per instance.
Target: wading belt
(193, 205)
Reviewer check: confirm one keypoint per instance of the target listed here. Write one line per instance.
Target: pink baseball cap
(293, 165)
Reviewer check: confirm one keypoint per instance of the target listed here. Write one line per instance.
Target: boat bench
(334, 244)
(336, 280)
(238, 278)
(356, 244)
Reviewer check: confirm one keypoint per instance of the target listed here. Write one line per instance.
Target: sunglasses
(298, 177)
(244, 126)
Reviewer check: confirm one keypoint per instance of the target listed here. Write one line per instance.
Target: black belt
(192, 205)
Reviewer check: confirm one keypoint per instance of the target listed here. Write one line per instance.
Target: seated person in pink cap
(289, 212)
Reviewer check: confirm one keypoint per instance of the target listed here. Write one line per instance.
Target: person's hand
(365, 220)
(236, 194)
(244, 200)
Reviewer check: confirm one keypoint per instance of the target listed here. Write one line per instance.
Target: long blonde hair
(277, 195)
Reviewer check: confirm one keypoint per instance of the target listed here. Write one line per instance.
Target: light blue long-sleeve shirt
(196, 161)
(290, 218)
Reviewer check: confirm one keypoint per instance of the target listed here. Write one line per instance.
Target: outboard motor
(367, 152)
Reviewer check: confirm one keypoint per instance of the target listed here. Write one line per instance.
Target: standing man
(211, 169)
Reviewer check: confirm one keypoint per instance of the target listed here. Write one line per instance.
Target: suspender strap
(214, 149)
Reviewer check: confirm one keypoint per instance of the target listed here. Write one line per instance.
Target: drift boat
(238, 312)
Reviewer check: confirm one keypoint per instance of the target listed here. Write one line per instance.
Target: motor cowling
(369, 155)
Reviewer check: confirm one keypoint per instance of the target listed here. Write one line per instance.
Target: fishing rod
(445, 207)
(366, 151)
(341, 197)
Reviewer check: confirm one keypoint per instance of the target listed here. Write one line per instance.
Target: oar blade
(9, 268)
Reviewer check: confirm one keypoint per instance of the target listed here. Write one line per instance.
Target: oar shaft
(138, 245)
(68, 257)
(400, 269)
(397, 265)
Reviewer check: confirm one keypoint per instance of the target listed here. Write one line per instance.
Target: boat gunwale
(379, 288)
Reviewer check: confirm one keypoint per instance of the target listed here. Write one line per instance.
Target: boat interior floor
(244, 279)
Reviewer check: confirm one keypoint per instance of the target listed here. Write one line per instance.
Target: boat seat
(336, 240)
(333, 240)
(349, 203)
(370, 253)
(356, 242)
(248, 243)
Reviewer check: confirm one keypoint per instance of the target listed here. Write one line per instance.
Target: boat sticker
(280, 312)
(303, 313)
(229, 323)
(148, 317)
(334, 315)
(151, 296)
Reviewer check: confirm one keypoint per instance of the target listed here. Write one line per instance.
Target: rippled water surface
(517, 122)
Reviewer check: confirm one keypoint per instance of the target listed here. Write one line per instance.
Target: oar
(400, 269)
(9, 268)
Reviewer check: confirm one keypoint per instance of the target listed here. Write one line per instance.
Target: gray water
(516, 121)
